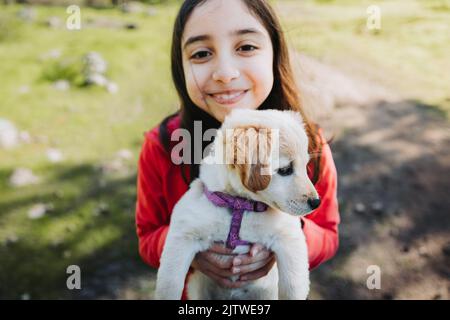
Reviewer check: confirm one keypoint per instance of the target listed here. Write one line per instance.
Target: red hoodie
(160, 185)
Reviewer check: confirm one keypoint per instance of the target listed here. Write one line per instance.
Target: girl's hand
(216, 263)
(254, 265)
(220, 263)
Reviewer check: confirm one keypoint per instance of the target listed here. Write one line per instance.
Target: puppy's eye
(286, 171)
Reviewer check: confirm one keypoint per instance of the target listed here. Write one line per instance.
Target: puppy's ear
(250, 149)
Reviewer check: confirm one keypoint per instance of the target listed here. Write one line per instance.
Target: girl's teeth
(228, 96)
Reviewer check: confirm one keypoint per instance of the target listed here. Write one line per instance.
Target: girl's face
(227, 58)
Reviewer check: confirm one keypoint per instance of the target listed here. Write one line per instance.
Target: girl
(227, 54)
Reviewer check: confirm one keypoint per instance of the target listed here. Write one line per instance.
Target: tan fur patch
(248, 151)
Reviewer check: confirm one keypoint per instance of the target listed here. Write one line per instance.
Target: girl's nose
(225, 73)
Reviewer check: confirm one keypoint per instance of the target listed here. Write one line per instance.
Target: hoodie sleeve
(152, 216)
(321, 226)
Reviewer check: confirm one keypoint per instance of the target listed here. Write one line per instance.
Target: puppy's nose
(313, 203)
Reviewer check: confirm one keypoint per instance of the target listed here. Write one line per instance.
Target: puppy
(255, 193)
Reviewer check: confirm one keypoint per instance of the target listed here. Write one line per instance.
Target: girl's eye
(248, 47)
(286, 171)
(200, 55)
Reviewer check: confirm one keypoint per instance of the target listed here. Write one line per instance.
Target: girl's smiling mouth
(228, 97)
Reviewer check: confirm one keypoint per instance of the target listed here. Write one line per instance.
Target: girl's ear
(249, 148)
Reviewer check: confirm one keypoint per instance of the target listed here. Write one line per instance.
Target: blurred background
(74, 105)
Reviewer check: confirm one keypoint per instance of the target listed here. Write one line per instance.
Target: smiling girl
(228, 54)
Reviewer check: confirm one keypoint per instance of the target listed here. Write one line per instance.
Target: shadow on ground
(393, 183)
(393, 178)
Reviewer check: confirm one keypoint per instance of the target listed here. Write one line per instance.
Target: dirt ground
(393, 161)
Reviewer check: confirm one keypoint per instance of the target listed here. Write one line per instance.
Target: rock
(24, 89)
(54, 22)
(9, 135)
(94, 71)
(23, 177)
(52, 54)
(102, 209)
(423, 251)
(112, 167)
(377, 207)
(112, 87)
(96, 79)
(27, 14)
(132, 7)
(360, 208)
(39, 210)
(151, 12)
(124, 154)
(42, 139)
(94, 64)
(61, 85)
(54, 155)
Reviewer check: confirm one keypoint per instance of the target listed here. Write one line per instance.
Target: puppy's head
(267, 156)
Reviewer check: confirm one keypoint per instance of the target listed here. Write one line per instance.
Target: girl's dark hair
(284, 94)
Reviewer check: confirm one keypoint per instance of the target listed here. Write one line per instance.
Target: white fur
(196, 222)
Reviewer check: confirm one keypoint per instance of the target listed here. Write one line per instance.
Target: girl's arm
(152, 217)
(321, 226)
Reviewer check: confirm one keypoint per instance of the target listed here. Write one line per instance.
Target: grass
(409, 54)
(89, 125)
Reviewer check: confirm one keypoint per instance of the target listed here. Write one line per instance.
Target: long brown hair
(284, 94)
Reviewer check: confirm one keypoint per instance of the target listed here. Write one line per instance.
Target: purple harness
(238, 205)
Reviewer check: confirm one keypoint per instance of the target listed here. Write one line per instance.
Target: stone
(24, 89)
(96, 79)
(27, 14)
(151, 12)
(37, 211)
(61, 85)
(102, 209)
(132, 7)
(360, 208)
(112, 87)
(94, 63)
(9, 135)
(124, 154)
(52, 54)
(54, 22)
(377, 207)
(54, 155)
(23, 177)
